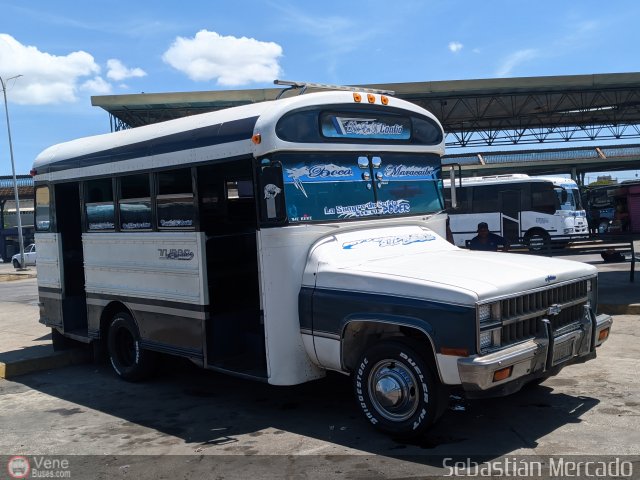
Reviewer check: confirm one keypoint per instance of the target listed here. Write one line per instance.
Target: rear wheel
(127, 358)
(396, 390)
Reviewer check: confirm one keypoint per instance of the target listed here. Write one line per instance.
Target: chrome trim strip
(177, 312)
(332, 336)
(55, 296)
(139, 307)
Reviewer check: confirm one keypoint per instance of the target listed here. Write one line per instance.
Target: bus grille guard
(541, 332)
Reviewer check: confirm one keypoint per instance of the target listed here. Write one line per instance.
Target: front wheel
(127, 358)
(537, 240)
(396, 390)
(16, 263)
(603, 226)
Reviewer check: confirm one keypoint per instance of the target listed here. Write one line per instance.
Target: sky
(66, 51)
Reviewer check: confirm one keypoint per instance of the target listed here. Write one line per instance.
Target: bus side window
(99, 208)
(174, 200)
(135, 202)
(462, 198)
(544, 198)
(486, 199)
(42, 209)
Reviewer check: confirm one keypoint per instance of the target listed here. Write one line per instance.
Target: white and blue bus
(279, 240)
(534, 210)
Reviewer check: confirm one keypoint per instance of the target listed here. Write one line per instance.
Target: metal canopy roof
(25, 187)
(489, 112)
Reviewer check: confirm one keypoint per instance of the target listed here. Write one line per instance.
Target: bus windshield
(332, 186)
(569, 198)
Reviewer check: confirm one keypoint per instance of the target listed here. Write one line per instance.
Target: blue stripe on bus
(326, 310)
(200, 137)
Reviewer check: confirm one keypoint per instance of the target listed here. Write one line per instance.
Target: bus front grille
(522, 315)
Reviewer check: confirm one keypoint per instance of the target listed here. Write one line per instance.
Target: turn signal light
(604, 334)
(457, 352)
(371, 98)
(502, 374)
(357, 97)
(257, 138)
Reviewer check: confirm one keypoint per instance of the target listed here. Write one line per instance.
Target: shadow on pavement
(209, 411)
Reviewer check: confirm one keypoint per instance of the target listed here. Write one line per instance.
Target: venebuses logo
(18, 467)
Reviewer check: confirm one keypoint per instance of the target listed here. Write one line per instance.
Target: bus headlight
(486, 340)
(489, 326)
(484, 313)
(489, 312)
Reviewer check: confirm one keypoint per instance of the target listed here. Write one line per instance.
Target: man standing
(487, 241)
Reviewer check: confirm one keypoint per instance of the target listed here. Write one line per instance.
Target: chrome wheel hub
(393, 390)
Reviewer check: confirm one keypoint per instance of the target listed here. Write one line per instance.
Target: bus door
(234, 331)
(510, 215)
(69, 224)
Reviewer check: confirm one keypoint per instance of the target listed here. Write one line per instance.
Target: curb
(8, 277)
(618, 309)
(55, 360)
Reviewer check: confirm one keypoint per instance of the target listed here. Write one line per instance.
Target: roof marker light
(357, 97)
(371, 98)
(384, 99)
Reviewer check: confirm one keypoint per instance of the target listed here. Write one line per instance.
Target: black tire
(129, 360)
(16, 263)
(396, 390)
(603, 226)
(537, 240)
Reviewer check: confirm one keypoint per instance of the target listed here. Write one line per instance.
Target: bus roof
(515, 178)
(207, 136)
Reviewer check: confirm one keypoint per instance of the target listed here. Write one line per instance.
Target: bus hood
(412, 261)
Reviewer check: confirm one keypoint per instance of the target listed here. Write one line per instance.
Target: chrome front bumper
(537, 357)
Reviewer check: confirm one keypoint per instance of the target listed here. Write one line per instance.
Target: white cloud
(231, 61)
(46, 78)
(515, 59)
(97, 86)
(455, 47)
(117, 71)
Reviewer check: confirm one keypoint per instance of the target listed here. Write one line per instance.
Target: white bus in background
(518, 207)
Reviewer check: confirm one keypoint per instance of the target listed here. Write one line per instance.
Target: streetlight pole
(13, 169)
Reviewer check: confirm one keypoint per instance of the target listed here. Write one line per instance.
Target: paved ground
(179, 423)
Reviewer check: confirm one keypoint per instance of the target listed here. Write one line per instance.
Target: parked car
(29, 257)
